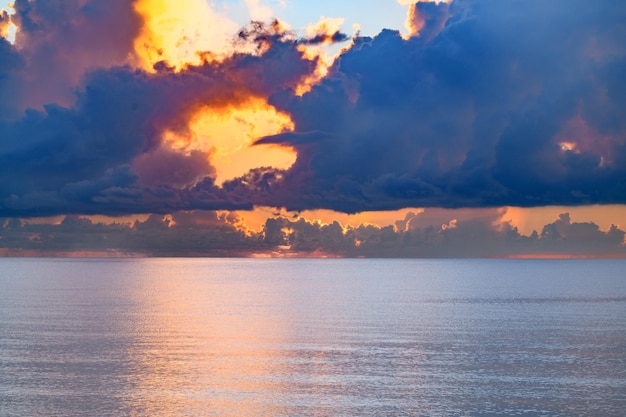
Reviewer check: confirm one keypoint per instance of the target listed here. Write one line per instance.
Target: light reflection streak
(194, 337)
(206, 346)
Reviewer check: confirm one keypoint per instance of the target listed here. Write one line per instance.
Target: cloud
(474, 116)
(180, 32)
(164, 165)
(11, 64)
(65, 159)
(60, 40)
(578, 238)
(205, 233)
(519, 103)
(5, 23)
(433, 233)
(426, 19)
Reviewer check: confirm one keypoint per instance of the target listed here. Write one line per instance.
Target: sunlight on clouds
(324, 30)
(483, 232)
(255, 219)
(179, 31)
(578, 137)
(4, 27)
(230, 132)
(526, 220)
(192, 31)
(414, 23)
(568, 146)
(532, 219)
(7, 27)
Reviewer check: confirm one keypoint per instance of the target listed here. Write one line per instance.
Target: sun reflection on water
(301, 337)
(206, 346)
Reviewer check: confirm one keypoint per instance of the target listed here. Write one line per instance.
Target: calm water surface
(232, 337)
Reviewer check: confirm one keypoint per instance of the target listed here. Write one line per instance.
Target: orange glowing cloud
(532, 219)
(179, 32)
(324, 31)
(7, 27)
(415, 21)
(4, 28)
(229, 132)
(526, 220)
(255, 219)
(191, 33)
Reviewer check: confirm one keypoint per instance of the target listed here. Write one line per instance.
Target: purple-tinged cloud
(60, 40)
(104, 154)
(478, 115)
(517, 103)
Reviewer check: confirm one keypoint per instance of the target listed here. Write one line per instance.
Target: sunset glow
(324, 31)
(229, 133)
(178, 32)
(268, 128)
(312, 207)
(415, 22)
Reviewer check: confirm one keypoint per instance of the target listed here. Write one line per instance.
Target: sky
(467, 128)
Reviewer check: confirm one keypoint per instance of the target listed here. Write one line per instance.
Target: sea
(312, 337)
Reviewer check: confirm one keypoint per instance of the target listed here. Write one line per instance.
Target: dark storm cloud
(10, 66)
(492, 103)
(103, 154)
(476, 116)
(434, 233)
(116, 118)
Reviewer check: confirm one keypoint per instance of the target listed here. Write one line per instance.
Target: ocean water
(300, 337)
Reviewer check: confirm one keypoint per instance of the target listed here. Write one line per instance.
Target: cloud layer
(511, 103)
(518, 103)
(209, 233)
